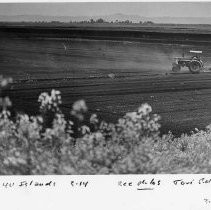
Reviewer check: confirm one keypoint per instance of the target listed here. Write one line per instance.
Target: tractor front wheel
(195, 67)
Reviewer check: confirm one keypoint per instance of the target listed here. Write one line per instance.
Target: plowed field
(114, 77)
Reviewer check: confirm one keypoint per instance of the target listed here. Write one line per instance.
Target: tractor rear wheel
(195, 67)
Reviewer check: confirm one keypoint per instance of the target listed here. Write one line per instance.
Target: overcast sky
(150, 9)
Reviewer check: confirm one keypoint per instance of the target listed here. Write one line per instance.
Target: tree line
(101, 20)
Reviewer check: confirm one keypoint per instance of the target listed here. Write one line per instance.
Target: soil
(113, 76)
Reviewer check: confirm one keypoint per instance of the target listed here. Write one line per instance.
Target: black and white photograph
(110, 88)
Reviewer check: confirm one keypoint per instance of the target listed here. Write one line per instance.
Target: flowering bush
(46, 144)
(4, 101)
(50, 102)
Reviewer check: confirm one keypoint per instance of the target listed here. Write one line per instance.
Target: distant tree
(92, 21)
(100, 20)
(55, 22)
(148, 23)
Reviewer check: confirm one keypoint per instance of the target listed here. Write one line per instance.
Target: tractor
(194, 63)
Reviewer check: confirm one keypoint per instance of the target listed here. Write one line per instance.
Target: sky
(148, 9)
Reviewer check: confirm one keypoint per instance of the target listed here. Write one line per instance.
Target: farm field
(112, 76)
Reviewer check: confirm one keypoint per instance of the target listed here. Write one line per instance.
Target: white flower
(85, 129)
(145, 109)
(93, 119)
(80, 106)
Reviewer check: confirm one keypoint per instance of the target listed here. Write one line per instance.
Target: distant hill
(114, 17)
